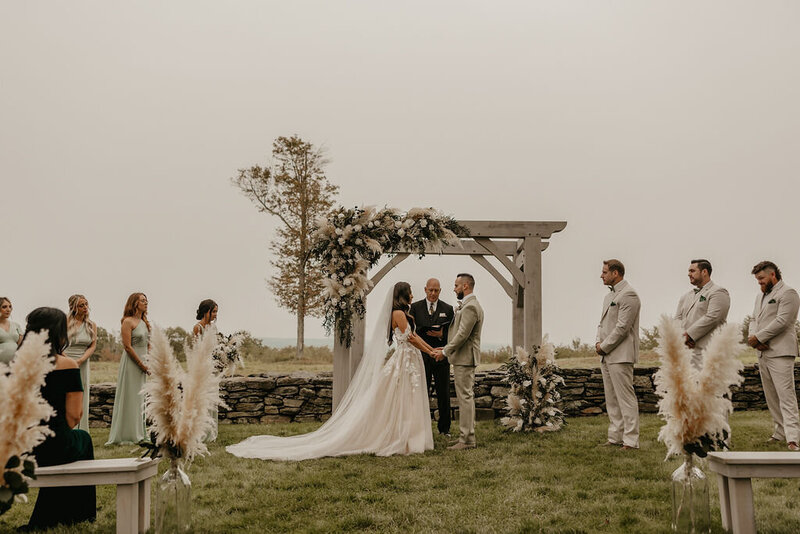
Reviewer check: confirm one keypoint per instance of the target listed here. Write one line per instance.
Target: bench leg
(144, 505)
(743, 519)
(128, 508)
(724, 502)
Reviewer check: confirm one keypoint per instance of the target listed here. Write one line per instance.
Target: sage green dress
(78, 343)
(8, 341)
(127, 419)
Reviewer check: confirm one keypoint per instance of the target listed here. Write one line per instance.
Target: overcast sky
(660, 131)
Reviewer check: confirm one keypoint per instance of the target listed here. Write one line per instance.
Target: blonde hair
(130, 308)
(72, 320)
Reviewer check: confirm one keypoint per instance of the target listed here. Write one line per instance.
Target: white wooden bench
(735, 469)
(130, 475)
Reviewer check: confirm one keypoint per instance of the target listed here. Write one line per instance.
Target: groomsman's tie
(430, 310)
(459, 305)
(697, 290)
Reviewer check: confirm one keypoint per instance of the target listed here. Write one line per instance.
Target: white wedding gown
(385, 411)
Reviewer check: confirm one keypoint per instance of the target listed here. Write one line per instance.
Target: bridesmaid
(82, 342)
(207, 314)
(127, 419)
(10, 332)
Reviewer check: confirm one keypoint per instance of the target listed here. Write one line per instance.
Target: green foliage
(178, 337)
(649, 339)
(108, 346)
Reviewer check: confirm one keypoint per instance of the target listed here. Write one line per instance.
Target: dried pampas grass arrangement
(22, 414)
(178, 402)
(693, 404)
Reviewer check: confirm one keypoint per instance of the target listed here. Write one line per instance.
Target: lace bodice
(400, 336)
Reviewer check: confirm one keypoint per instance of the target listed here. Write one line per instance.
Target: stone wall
(307, 397)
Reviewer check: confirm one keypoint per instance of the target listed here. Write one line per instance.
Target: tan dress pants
(621, 403)
(777, 377)
(464, 381)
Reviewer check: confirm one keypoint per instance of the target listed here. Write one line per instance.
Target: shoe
(460, 446)
(793, 446)
(610, 444)
(628, 448)
(445, 434)
(773, 440)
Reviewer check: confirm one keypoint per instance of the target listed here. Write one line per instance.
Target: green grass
(519, 483)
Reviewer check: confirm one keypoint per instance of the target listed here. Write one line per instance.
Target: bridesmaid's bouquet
(23, 412)
(533, 392)
(178, 402)
(695, 404)
(227, 357)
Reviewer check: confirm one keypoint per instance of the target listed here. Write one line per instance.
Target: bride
(385, 409)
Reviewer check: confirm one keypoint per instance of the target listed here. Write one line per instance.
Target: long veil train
(384, 410)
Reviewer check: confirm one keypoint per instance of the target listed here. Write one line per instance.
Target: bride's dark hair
(401, 300)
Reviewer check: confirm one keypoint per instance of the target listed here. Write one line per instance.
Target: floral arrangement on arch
(693, 403)
(22, 415)
(533, 394)
(352, 240)
(178, 402)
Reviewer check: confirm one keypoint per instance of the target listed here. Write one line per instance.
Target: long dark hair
(131, 305)
(55, 322)
(205, 307)
(401, 300)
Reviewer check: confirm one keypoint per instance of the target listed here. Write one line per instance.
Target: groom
(463, 349)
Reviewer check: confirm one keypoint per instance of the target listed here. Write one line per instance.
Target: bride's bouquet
(533, 393)
(695, 404)
(22, 413)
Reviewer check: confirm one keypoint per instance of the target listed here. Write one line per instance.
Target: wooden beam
(533, 292)
(505, 284)
(514, 229)
(394, 262)
(489, 245)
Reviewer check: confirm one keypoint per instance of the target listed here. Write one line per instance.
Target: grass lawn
(517, 483)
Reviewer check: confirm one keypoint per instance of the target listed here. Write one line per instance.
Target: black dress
(69, 504)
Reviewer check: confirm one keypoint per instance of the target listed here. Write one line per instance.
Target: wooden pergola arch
(517, 245)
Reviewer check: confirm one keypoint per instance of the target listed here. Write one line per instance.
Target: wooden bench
(735, 469)
(130, 475)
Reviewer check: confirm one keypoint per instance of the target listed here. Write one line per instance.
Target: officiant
(433, 317)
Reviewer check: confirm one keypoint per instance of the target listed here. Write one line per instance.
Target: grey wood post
(517, 308)
(532, 249)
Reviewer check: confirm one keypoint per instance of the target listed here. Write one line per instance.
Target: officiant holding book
(433, 318)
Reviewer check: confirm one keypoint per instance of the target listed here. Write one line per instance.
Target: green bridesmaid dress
(127, 419)
(78, 344)
(8, 341)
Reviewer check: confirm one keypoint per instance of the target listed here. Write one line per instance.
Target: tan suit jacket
(703, 312)
(773, 321)
(618, 331)
(464, 338)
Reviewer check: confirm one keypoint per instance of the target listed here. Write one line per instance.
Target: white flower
(343, 304)
(341, 241)
(537, 421)
(398, 224)
(357, 228)
(423, 223)
(342, 292)
(341, 274)
(359, 241)
(538, 394)
(334, 301)
(339, 231)
(526, 383)
(348, 281)
(401, 232)
(408, 223)
(341, 215)
(370, 225)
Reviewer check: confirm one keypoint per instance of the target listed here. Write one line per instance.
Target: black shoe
(445, 434)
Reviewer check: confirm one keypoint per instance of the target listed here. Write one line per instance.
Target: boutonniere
(702, 298)
(613, 303)
(771, 301)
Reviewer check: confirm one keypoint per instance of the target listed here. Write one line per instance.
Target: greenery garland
(533, 395)
(352, 240)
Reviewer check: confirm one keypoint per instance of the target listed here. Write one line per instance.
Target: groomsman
(433, 317)
(618, 347)
(464, 351)
(702, 310)
(772, 333)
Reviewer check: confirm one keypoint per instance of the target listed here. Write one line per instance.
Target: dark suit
(436, 372)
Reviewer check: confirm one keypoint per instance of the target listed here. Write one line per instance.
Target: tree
(649, 339)
(294, 189)
(177, 337)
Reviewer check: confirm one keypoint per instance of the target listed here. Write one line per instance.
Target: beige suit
(701, 312)
(773, 323)
(618, 336)
(463, 349)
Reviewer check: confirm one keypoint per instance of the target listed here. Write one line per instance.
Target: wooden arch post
(517, 245)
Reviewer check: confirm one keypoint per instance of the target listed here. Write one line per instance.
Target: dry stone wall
(299, 397)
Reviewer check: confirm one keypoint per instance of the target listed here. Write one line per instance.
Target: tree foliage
(295, 189)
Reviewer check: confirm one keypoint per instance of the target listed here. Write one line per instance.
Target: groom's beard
(460, 295)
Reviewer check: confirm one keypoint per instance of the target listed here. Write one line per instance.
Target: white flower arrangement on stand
(533, 393)
(22, 415)
(226, 354)
(351, 241)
